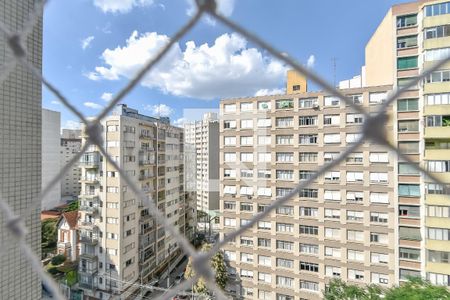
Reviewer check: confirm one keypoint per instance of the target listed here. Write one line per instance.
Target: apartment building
(121, 244)
(404, 231)
(51, 126)
(20, 148)
(70, 145)
(204, 136)
(415, 36)
(342, 225)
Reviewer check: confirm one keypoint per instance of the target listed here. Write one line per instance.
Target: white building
(51, 126)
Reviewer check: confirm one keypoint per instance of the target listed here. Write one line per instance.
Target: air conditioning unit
(315, 106)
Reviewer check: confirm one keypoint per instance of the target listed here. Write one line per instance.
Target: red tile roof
(71, 218)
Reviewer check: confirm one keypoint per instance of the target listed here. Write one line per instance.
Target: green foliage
(417, 289)
(72, 206)
(58, 259)
(49, 235)
(218, 266)
(201, 215)
(414, 289)
(53, 270)
(71, 278)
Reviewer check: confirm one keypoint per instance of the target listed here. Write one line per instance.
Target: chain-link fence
(372, 129)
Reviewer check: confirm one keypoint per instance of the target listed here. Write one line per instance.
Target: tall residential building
(20, 148)
(51, 126)
(204, 137)
(342, 225)
(411, 38)
(371, 220)
(70, 145)
(121, 244)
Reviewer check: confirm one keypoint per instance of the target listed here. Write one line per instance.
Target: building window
(407, 62)
(409, 253)
(309, 230)
(333, 120)
(332, 271)
(285, 281)
(308, 211)
(264, 105)
(408, 104)
(355, 255)
(333, 252)
(355, 274)
(246, 257)
(284, 227)
(438, 279)
(285, 245)
(264, 261)
(246, 106)
(406, 21)
(307, 102)
(285, 263)
(229, 173)
(353, 137)
(296, 87)
(407, 41)
(355, 118)
(378, 278)
(331, 138)
(438, 166)
(356, 216)
(308, 193)
(309, 248)
(284, 139)
(307, 121)
(229, 140)
(246, 124)
(310, 267)
(229, 205)
(246, 140)
(264, 122)
(229, 124)
(285, 210)
(438, 211)
(265, 225)
(408, 126)
(284, 157)
(246, 241)
(262, 242)
(437, 32)
(331, 195)
(378, 177)
(308, 157)
(378, 97)
(437, 9)
(330, 156)
(377, 217)
(440, 234)
(376, 197)
(439, 76)
(355, 197)
(355, 158)
(355, 235)
(331, 101)
(405, 274)
(355, 176)
(264, 277)
(379, 258)
(438, 99)
(332, 233)
(284, 122)
(436, 54)
(309, 285)
(409, 190)
(308, 139)
(229, 108)
(246, 273)
(284, 104)
(380, 238)
(263, 140)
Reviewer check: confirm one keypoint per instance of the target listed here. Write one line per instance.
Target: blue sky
(92, 48)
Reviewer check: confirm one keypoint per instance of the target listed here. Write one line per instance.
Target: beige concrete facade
(121, 244)
(341, 225)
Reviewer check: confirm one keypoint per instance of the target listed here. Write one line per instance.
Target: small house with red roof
(68, 239)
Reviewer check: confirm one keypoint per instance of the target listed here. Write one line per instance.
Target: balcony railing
(92, 240)
(90, 179)
(63, 245)
(90, 209)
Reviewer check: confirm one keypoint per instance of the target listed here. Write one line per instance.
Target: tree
(414, 289)
(49, 235)
(218, 266)
(338, 290)
(417, 289)
(72, 206)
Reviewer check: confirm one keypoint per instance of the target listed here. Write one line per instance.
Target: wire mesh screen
(372, 130)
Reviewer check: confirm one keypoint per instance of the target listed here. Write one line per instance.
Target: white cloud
(180, 122)
(106, 96)
(92, 105)
(85, 43)
(71, 124)
(56, 102)
(267, 92)
(228, 68)
(159, 110)
(120, 6)
(224, 7)
(311, 61)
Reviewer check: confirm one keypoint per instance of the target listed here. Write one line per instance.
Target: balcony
(87, 224)
(87, 269)
(63, 245)
(90, 179)
(145, 176)
(90, 197)
(91, 240)
(146, 162)
(93, 210)
(90, 160)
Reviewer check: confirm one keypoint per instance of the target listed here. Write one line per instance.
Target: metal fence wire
(373, 130)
